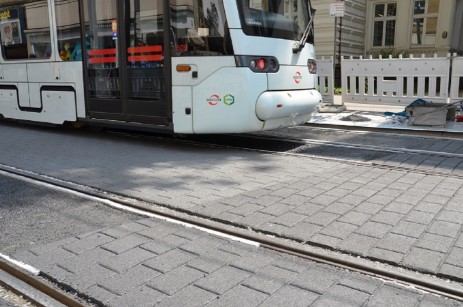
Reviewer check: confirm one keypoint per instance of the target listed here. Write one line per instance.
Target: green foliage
(390, 51)
(337, 91)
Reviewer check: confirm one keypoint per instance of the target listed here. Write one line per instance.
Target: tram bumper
(299, 104)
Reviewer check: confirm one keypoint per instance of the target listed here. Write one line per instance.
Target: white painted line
(20, 264)
(119, 206)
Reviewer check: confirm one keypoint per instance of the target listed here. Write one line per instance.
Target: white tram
(202, 66)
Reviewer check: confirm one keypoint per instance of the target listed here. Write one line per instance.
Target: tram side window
(68, 30)
(199, 28)
(25, 30)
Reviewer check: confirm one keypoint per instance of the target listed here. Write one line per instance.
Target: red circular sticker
(297, 77)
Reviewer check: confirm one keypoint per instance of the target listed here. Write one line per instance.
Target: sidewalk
(372, 115)
(408, 218)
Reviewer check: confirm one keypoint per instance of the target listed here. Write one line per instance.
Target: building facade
(389, 26)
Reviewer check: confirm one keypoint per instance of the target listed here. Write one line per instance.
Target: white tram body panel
(130, 53)
(42, 92)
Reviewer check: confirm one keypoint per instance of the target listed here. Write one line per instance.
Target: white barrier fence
(325, 70)
(397, 81)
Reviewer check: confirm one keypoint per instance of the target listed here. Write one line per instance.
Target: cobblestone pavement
(150, 262)
(410, 218)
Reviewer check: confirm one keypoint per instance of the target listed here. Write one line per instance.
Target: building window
(25, 30)
(384, 24)
(424, 28)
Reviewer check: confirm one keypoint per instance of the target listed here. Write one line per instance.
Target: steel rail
(400, 274)
(320, 143)
(38, 285)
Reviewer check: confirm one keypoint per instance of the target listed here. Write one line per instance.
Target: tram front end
(255, 71)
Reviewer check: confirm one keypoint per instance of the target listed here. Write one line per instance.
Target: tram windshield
(286, 19)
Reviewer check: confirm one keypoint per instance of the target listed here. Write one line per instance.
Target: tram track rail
(31, 287)
(298, 147)
(391, 273)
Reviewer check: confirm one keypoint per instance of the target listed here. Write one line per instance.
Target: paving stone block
(124, 229)
(400, 186)
(352, 199)
(455, 204)
(338, 208)
(141, 296)
(369, 208)
(428, 207)
(311, 192)
(308, 208)
(87, 243)
(267, 200)
(120, 263)
(288, 219)
(104, 296)
(50, 258)
(41, 249)
(290, 296)
(419, 217)
(241, 296)
(123, 244)
(284, 192)
(94, 274)
(279, 273)
(129, 280)
(435, 242)
(396, 243)
(358, 244)
(451, 270)
(322, 218)
(374, 229)
(399, 207)
(445, 229)
(455, 257)
(255, 219)
(88, 258)
(339, 295)
(424, 259)
(263, 283)
(350, 186)
(409, 229)
(361, 283)
(325, 240)
(430, 300)
(450, 216)
(459, 242)
(318, 279)
(255, 260)
(169, 260)
(302, 231)
(390, 192)
(436, 199)
(366, 192)
(175, 280)
(386, 255)
(222, 280)
(392, 296)
(203, 245)
(245, 209)
(338, 230)
(273, 228)
(386, 217)
(355, 218)
(277, 209)
(229, 217)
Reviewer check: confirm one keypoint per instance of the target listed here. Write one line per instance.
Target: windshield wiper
(299, 45)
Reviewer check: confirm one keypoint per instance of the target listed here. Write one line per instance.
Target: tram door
(125, 60)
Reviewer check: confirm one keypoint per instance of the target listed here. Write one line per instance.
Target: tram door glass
(125, 65)
(145, 61)
(102, 31)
